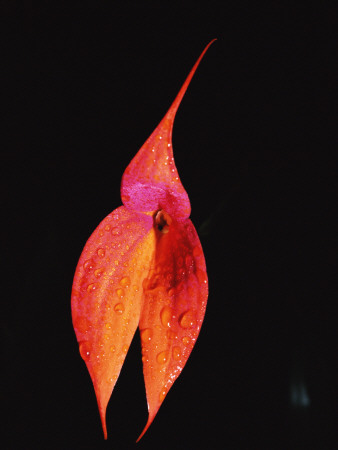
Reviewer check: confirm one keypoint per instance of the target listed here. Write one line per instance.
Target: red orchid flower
(143, 266)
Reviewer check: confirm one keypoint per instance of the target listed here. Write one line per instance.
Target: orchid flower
(142, 266)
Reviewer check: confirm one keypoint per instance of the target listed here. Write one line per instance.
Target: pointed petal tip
(149, 422)
(103, 422)
(176, 103)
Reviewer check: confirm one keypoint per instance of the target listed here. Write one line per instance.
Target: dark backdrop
(85, 84)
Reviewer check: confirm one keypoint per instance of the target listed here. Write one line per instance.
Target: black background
(85, 84)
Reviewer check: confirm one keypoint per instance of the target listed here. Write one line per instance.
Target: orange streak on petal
(107, 295)
(176, 294)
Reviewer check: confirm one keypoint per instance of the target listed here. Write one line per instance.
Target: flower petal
(151, 180)
(107, 295)
(176, 294)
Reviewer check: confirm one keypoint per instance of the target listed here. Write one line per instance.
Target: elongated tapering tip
(149, 422)
(176, 103)
(102, 412)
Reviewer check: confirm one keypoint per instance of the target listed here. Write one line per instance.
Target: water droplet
(135, 288)
(186, 340)
(197, 251)
(125, 348)
(166, 316)
(187, 319)
(120, 292)
(171, 292)
(169, 277)
(171, 334)
(85, 350)
(91, 287)
(163, 394)
(82, 324)
(189, 261)
(112, 349)
(146, 335)
(201, 276)
(107, 337)
(146, 284)
(116, 262)
(98, 272)
(180, 273)
(88, 265)
(101, 252)
(162, 357)
(108, 325)
(115, 231)
(119, 308)
(177, 353)
(125, 281)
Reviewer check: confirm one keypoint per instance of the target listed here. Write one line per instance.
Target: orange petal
(176, 294)
(151, 181)
(107, 295)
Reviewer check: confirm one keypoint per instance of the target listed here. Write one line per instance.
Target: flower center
(162, 221)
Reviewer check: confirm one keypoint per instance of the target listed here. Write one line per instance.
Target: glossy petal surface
(107, 295)
(176, 294)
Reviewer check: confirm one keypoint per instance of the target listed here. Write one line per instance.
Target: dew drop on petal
(98, 272)
(91, 287)
(84, 350)
(171, 334)
(82, 324)
(177, 353)
(115, 231)
(162, 357)
(88, 265)
(171, 292)
(197, 251)
(187, 319)
(120, 292)
(101, 252)
(162, 395)
(186, 340)
(201, 276)
(146, 335)
(166, 316)
(146, 284)
(112, 349)
(119, 308)
(189, 261)
(108, 326)
(125, 348)
(125, 281)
